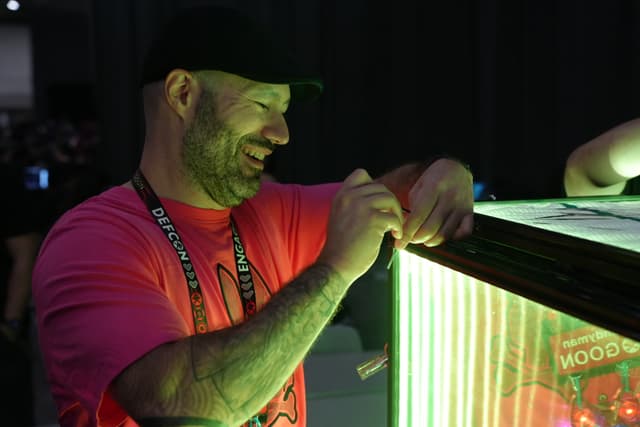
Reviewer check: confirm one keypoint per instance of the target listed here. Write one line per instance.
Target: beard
(212, 159)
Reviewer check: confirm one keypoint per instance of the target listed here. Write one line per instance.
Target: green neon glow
(486, 368)
(404, 323)
(472, 339)
(473, 355)
(461, 340)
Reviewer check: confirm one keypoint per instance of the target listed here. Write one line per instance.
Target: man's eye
(261, 105)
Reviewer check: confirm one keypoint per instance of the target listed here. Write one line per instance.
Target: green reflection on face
(212, 157)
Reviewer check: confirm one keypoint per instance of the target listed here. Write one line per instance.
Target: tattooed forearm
(260, 355)
(232, 373)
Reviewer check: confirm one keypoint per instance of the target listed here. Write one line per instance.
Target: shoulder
(114, 206)
(114, 219)
(105, 234)
(271, 192)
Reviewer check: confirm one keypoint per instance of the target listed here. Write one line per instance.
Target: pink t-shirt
(108, 286)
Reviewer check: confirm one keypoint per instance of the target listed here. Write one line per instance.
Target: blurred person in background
(21, 232)
(46, 168)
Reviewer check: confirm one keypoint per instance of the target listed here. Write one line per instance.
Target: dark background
(510, 86)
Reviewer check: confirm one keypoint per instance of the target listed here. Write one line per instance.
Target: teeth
(258, 156)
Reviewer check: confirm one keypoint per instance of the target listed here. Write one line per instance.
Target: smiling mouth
(255, 156)
(249, 151)
(256, 151)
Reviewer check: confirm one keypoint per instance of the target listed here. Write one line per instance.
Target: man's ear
(179, 91)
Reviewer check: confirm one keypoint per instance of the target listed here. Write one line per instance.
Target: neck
(168, 180)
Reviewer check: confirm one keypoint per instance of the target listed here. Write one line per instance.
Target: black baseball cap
(224, 39)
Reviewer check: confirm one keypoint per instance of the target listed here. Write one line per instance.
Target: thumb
(357, 177)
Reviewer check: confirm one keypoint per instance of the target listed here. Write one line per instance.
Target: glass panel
(465, 353)
(612, 220)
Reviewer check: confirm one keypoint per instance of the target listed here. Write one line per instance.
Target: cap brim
(306, 90)
(226, 40)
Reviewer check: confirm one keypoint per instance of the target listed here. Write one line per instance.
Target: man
(607, 165)
(191, 294)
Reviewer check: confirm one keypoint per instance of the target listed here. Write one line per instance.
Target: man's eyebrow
(268, 92)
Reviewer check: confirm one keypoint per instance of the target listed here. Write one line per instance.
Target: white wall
(16, 75)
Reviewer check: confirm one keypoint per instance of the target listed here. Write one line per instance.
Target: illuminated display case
(532, 321)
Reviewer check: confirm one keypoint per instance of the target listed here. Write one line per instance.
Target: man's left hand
(440, 205)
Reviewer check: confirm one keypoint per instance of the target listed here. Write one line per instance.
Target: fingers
(465, 228)
(356, 178)
(445, 232)
(438, 229)
(360, 186)
(386, 221)
(417, 220)
(441, 203)
(422, 225)
(362, 212)
(442, 209)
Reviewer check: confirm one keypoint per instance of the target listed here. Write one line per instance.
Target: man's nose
(276, 130)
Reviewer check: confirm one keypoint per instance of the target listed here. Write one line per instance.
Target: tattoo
(249, 362)
(230, 374)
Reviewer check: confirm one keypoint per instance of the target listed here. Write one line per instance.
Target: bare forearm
(603, 165)
(22, 249)
(400, 180)
(18, 291)
(624, 150)
(229, 375)
(262, 354)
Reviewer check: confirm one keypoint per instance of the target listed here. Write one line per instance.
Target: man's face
(218, 159)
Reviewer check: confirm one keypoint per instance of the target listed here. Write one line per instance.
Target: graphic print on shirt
(284, 404)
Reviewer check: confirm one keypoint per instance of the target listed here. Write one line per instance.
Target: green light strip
(424, 347)
(441, 349)
(486, 366)
(469, 368)
(403, 288)
(460, 345)
(498, 309)
(459, 341)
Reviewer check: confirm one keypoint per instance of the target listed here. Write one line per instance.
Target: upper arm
(99, 308)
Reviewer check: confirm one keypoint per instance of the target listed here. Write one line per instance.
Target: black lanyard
(245, 278)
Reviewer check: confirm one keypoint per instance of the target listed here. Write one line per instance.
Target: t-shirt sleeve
(98, 307)
(301, 213)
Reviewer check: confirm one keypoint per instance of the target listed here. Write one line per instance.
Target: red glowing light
(583, 418)
(629, 409)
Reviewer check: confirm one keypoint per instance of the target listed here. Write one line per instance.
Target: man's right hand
(361, 213)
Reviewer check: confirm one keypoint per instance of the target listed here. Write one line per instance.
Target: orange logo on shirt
(284, 404)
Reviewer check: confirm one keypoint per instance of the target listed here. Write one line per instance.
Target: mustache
(259, 142)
